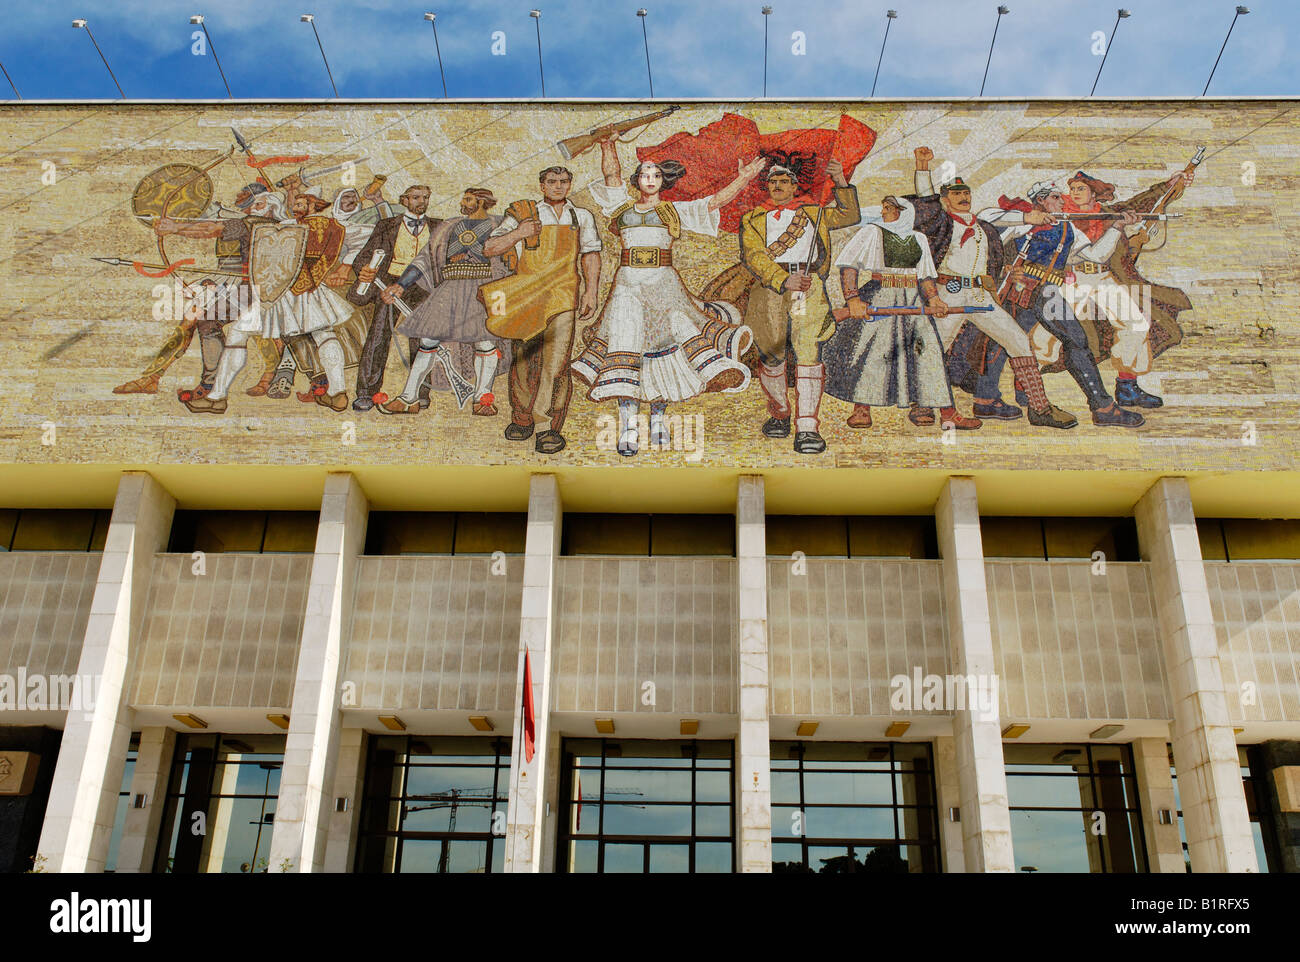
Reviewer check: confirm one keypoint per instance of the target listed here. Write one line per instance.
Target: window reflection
(1074, 808)
(845, 808)
(221, 802)
(123, 803)
(646, 806)
(434, 804)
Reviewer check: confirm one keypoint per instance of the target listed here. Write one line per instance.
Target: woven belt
(646, 257)
(466, 271)
(894, 280)
(1048, 275)
(975, 281)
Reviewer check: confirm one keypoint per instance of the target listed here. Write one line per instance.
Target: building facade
(298, 579)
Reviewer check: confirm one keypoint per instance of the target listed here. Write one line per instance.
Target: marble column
(349, 782)
(88, 775)
(947, 783)
(302, 815)
(981, 771)
(1155, 788)
(753, 746)
(1205, 749)
(153, 760)
(526, 826)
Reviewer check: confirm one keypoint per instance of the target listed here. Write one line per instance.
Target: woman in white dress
(654, 341)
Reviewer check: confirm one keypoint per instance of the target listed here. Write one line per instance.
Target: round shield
(183, 190)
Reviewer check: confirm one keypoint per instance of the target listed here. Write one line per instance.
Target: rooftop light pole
(198, 19)
(537, 17)
(767, 12)
(1122, 15)
(432, 18)
(890, 16)
(11, 83)
(1002, 11)
(644, 36)
(311, 19)
(83, 25)
(1240, 12)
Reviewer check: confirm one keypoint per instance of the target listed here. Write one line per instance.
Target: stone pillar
(139, 842)
(981, 772)
(1155, 792)
(1205, 749)
(951, 844)
(302, 813)
(88, 777)
(754, 744)
(349, 782)
(526, 818)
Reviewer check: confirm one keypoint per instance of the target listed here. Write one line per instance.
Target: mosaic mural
(1005, 285)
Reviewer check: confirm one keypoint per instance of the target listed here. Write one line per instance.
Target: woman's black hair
(672, 171)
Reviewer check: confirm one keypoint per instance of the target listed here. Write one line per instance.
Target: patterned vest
(900, 251)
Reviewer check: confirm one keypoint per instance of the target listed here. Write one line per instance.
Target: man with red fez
(785, 244)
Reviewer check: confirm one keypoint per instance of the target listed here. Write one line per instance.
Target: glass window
(220, 805)
(261, 532)
(646, 806)
(1074, 808)
(434, 804)
(42, 529)
(853, 807)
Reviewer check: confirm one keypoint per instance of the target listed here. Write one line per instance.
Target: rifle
(840, 313)
(571, 147)
(1149, 233)
(1104, 215)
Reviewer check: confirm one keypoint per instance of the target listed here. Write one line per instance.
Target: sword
(459, 386)
(307, 178)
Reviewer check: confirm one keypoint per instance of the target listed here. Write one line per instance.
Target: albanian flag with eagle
(712, 155)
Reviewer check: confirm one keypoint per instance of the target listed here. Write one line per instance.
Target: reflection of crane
(452, 799)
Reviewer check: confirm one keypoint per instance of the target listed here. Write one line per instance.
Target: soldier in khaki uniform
(785, 244)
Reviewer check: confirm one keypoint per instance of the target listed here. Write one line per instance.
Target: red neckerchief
(802, 200)
(970, 227)
(1093, 228)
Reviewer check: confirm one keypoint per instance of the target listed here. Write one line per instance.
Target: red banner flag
(712, 157)
(530, 717)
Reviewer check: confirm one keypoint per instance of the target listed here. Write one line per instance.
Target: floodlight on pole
(1121, 14)
(81, 24)
(645, 37)
(1002, 12)
(541, 72)
(11, 82)
(311, 19)
(1241, 11)
(198, 19)
(767, 12)
(890, 16)
(432, 18)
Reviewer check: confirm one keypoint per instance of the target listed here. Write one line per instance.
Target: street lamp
(198, 19)
(83, 25)
(432, 18)
(890, 16)
(311, 19)
(1002, 12)
(1241, 11)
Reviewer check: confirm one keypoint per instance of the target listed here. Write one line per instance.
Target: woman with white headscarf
(357, 228)
(889, 360)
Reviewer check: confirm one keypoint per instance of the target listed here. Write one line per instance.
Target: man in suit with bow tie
(400, 238)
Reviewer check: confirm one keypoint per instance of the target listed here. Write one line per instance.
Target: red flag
(712, 157)
(530, 717)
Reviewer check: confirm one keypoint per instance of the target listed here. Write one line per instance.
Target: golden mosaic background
(71, 328)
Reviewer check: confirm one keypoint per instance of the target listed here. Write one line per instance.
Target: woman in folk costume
(654, 341)
(890, 360)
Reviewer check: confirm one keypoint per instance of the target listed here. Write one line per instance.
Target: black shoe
(549, 442)
(362, 403)
(1116, 417)
(999, 410)
(1053, 417)
(809, 442)
(1129, 395)
(777, 427)
(519, 432)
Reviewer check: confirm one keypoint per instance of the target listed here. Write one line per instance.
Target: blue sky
(706, 48)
